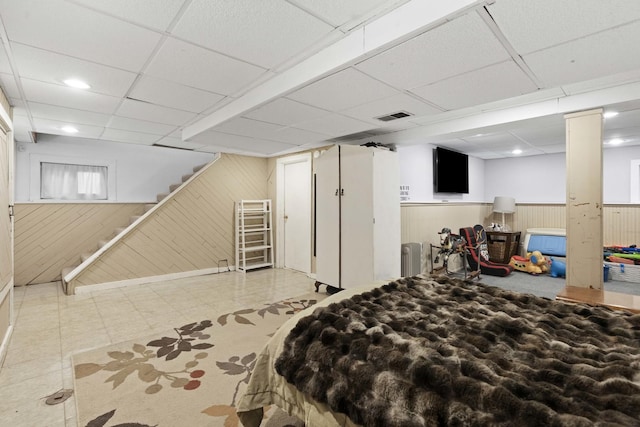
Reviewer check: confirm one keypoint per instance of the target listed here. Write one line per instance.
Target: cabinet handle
(342, 192)
(336, 192)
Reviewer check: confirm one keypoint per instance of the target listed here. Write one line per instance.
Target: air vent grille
(394, 116)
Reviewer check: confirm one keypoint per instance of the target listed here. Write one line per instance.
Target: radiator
(411, 260)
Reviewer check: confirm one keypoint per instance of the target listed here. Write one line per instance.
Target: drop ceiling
(266, 78)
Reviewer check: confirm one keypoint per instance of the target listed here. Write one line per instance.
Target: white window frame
(34, 180)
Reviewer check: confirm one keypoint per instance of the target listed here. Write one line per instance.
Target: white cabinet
(254, 234)
(357, 216)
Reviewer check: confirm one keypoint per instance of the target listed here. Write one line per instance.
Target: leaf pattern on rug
(239, 366)
(103, 419)
(293, 307)
(125, 363)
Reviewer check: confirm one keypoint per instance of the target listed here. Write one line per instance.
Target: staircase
(87, 258)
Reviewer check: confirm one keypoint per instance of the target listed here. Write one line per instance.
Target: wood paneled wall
(51, 236)
(192, 231)
(421, 222)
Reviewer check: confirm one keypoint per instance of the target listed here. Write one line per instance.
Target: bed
(427, 351)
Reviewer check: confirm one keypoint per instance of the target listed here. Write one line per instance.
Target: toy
(449, 243)
(558, 268)
(535, 263)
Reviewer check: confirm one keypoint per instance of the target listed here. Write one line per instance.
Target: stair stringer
(197, 218)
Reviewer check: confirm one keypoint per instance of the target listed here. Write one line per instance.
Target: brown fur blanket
(419, 352)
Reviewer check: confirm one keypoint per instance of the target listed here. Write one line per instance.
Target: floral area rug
(192, 375)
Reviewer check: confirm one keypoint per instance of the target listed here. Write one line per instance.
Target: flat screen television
(450, 171)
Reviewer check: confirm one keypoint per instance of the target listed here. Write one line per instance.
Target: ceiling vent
(394, 116)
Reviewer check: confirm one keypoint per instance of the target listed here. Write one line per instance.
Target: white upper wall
(416, 171)
(531, 179)
(141, 172)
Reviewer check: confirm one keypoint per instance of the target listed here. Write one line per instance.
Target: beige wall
(193, 230)
(421, 222)
(51, 236)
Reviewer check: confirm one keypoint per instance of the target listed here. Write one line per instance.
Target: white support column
(584, 199)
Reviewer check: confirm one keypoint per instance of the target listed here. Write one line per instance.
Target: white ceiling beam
(395, 27)
(490, 117)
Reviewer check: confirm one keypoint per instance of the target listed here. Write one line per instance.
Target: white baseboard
(150, 279)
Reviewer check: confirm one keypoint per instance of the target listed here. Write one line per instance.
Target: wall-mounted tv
(450, 171)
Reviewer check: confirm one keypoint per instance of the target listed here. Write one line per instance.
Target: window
(61, 181)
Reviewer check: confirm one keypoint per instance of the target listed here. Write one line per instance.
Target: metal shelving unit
(254, 234)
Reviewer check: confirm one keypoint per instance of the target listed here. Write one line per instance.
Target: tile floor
(50, 326)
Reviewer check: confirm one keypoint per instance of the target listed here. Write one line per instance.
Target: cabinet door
(356, 174)
(328, 218)
(386, 211)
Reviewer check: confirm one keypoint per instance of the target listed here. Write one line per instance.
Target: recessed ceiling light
(517, 151)
(479, 134)
(616, 141)
(78, 84)
(69, 129)
(610, 114)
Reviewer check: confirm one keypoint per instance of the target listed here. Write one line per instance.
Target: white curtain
(60, 181)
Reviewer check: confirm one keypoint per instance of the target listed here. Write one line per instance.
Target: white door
(297, 216)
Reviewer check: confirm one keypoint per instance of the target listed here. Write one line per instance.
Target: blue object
(606, 273)
(558, 268)
(548, 245)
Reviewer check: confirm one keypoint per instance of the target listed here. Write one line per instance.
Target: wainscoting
(50, 236)
(422, 222)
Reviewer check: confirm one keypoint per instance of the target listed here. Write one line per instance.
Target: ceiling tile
(5, 66)
(9, 86)
(153, 113)
(128, 136)
(173, 95)
(200, 68)
(54, 127)
(381, 107)
(73, 30)
(492, 83)
(339, 12)
(125, 123)
(265, 33)
(541, 136)
(535, 25)
(292, 135)
(240, 143)
(624, 119)
(285, 112)
(588, 58)
(50, 67)
(456, 47)
(335, 125)
(69, 115)
(63, 96)
(157, 14)
(248, 127)
(343, 90)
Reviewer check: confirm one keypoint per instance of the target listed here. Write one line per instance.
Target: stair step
(85, 256)
(101, 243)
(186, 177)
(149, 206)
(119, 230)
(174, 187)
(134, 218)
(197, 168)
(161, 196)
